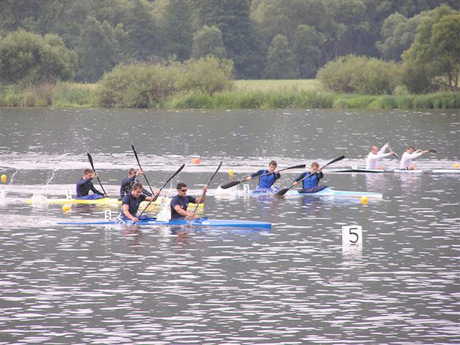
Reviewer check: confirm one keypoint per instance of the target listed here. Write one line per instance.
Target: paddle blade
(135, 154)
(229, 184)
(281, 192)
(300, 166)
(90, 158)
(218, 168)
(333, 161)
(433, 151)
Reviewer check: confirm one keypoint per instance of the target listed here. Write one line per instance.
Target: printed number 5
(351, 232)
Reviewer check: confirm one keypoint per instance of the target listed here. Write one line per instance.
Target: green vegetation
(59, 95)
(186, 53)
(247, 94)
(359, 74)
(142, 86)
(27, 59)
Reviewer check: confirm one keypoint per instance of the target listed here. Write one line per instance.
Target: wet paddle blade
(229, 184)
(281, 192)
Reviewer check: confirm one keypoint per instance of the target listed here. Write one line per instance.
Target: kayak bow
(200, 222)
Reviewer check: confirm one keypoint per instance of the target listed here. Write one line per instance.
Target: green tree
(398, 33)
(208, 41)
(280, 60)
(308, 55)
(445, 39)
(177, 29)
(98, 50)
(431, 60)
(27, 58)
(142, 35)
(238, 33)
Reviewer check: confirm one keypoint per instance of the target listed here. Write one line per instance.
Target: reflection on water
(295, 284)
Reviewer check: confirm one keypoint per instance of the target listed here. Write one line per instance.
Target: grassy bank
(247, 94)
(60, 95)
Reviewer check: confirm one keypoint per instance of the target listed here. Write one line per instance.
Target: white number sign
(352, 235)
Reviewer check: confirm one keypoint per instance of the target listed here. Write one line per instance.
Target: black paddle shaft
(230, 184)
(207, 184)
(140, 167)
(177, 171)
(285, 190)
(90, 158)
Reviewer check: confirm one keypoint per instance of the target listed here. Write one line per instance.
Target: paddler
(408, 156)
(310, 179)
(131, 202)
(128, 182)
(179, 203)
(375, 154)
(84, 185)
(267, 177)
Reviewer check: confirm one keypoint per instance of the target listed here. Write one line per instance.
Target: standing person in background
(84, 185)
(373, 157)
(267, 177)
(408, 156)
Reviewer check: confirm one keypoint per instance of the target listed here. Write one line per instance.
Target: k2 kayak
(102, 201)
(200, 222)
(326, 192)
(396, 171)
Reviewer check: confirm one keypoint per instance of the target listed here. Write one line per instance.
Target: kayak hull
(396, 171)
(200, 222)
(326, 192)
(103, 201)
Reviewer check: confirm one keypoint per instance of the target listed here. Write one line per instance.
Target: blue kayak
(200, 222)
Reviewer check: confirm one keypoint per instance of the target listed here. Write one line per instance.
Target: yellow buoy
(364, 200)
(3, 178)
(230, 172)
(455, 167)
(66, 208)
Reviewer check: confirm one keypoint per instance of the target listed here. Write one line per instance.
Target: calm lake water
(295, 284)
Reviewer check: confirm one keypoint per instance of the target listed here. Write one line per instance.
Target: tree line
(43, 40)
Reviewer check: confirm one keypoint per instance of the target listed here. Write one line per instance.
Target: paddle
(140, 167)
(92, 166)
(177, 171)
(434, 151)
(285, 190)
(202, 193)
(230, 184)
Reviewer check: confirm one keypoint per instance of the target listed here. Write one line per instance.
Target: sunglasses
(183, 190)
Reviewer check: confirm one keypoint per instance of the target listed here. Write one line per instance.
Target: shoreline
(260, 94)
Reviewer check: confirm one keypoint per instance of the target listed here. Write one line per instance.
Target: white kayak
(326, 192)
(396, 171)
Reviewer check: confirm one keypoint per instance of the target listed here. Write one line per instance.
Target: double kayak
(396, 171)
(102, 201)
(200, 222)
(326, 192)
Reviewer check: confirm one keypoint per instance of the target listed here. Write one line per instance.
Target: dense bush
(143, 85)
(27, 59)
(350, 74)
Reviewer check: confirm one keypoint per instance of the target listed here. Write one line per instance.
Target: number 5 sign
(352, 235)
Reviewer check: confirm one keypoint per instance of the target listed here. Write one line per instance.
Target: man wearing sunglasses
(179, 203)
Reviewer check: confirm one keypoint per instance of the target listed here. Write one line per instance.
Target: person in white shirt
(408, 156)
(373, 157)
